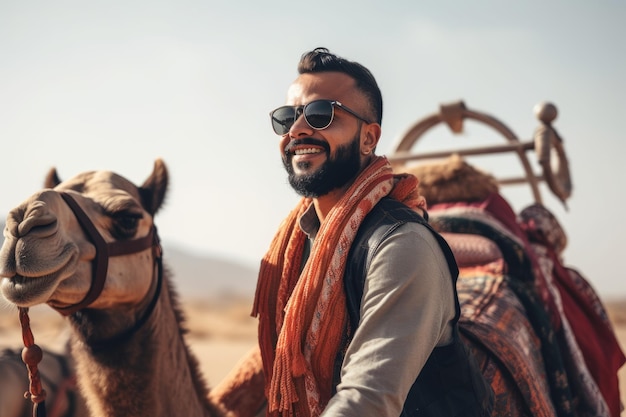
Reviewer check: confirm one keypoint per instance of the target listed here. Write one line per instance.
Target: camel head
(52, 255)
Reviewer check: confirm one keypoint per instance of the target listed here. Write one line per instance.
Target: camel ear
(52, 179)
(154, 187)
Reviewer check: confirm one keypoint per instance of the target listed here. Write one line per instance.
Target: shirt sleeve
(406, 310)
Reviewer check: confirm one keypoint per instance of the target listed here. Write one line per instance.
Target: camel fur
(451, 180)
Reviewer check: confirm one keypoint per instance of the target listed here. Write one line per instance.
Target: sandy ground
(218, 334)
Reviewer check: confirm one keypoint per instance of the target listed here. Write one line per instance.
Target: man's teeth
(306, 151)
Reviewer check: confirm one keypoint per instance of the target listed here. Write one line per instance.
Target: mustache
(306, 141)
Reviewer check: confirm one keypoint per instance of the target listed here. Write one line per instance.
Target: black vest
(450, 383)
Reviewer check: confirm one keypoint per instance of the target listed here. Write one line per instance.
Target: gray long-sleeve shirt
(406, 310)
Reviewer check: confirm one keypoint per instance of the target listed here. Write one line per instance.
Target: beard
(336, 172)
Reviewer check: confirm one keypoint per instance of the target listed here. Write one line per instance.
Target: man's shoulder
(392, 218)
(385, 218)
(391, 211)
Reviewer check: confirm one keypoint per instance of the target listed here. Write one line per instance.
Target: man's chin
(307, 186)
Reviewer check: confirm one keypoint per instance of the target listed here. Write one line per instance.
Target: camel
(538, 329)
(88, 248)
(58, 378)
(523, 340)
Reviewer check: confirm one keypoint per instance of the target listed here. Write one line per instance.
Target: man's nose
(300, 127)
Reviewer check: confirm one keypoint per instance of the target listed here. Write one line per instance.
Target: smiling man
(356, 295)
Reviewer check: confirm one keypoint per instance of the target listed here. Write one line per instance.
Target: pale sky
(114, 85)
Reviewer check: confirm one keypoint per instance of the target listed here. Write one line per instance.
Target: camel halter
(105, 250)
(32, 353)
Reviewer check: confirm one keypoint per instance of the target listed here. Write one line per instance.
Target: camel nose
(33, 217)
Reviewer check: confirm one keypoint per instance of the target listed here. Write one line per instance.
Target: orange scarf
(303, 315)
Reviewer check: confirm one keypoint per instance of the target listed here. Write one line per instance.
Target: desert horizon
(220, 332)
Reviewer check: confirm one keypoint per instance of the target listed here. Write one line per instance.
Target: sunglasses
(318, 114)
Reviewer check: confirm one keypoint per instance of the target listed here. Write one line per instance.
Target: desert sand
(219, 333)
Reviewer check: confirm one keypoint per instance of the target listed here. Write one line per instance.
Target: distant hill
(206, 276)
(200, 276)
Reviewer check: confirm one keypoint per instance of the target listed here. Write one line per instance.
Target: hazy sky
(116, 84)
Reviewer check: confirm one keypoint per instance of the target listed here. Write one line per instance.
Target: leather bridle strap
(103, 251)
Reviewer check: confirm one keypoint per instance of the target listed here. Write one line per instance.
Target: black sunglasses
(318, 114)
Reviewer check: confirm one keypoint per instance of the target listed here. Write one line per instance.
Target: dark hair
(321, 60)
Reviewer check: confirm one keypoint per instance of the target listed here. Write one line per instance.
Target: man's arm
(407, 304)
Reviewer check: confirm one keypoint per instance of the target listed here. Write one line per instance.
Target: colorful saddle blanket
(513, 309)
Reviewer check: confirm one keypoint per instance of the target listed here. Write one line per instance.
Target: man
(356, 296)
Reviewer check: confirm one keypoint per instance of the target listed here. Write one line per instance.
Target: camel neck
(152, 372)
(144, 313)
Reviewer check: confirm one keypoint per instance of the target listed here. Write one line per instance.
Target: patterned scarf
(303, 315)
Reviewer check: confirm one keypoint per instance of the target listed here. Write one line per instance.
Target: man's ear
(370, 137)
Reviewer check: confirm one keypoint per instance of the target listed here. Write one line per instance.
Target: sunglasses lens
(319, 114)
(282, 119)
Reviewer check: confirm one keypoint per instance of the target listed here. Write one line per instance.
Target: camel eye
(125, 224)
